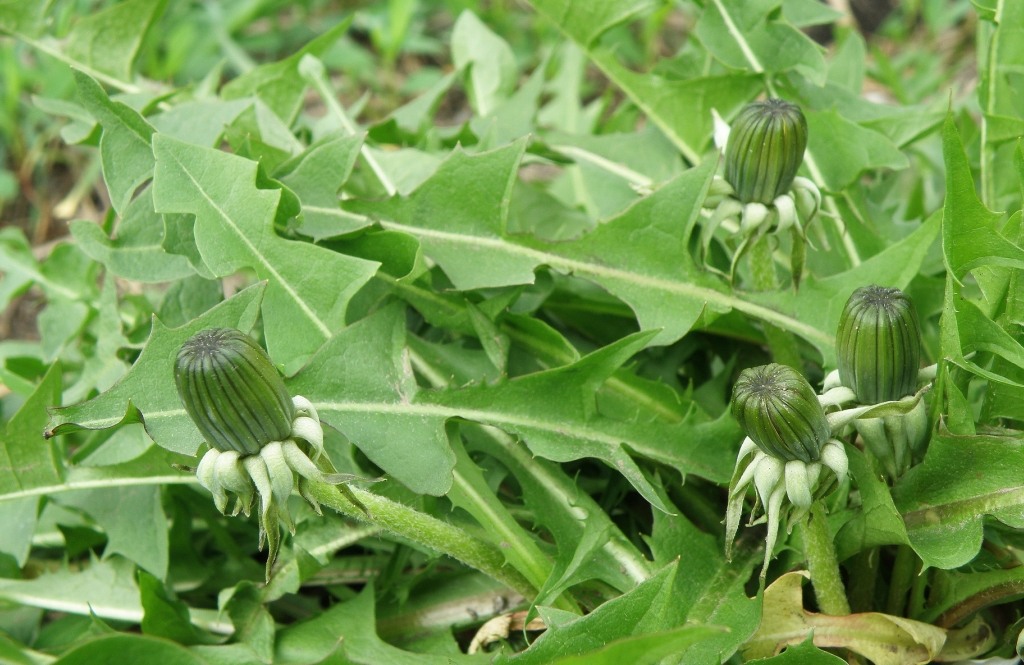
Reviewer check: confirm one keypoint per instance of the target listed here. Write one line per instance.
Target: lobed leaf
(642, 610)
(882, 638)
(559, 506)
(316, 176)
(139, 648)
(747, 35)
(554, 412)
(308, 287)
(460, 213)
(680, 108)
(586, 21)
(278, 84)
(125, 150)
(471, 492)
(147, 392)
(875, 522)
(137, 251)
(852, 149)
(969, 236)
(945, 498)
(105, 589)
(132, 518)
(26, 461)
(348, 628)
(109, 40)
(489, 60)
(361, 384)
(713, 591)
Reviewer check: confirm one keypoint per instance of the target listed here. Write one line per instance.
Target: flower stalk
(782, 343)
(823, 564)
(424, 530)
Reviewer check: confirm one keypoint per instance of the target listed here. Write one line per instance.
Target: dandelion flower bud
(232, 391)
(765, 148)
(879, 345)
(777, 408)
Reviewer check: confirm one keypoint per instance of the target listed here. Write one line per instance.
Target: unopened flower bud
(232, 391)
(765, 148)
(879, 345)
(777, 408)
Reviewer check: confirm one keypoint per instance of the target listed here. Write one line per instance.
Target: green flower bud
(879, 345)
(232, 391)
(779, 411)
(765, 148)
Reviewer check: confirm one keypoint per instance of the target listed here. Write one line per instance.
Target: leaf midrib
(98, 483)
(962, 511)
(691, 291)
(498, 418)
(324, 329)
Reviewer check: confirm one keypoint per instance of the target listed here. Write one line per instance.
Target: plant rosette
(760, 193)
(263, 442)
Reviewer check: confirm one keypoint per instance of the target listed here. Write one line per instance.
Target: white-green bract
(271, 474)
(774, 481)
(263, 443)
(789, 444)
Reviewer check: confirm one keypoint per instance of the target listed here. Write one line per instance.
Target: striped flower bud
(232, 391)
(779, 411)
(765, 148)
(879, 345)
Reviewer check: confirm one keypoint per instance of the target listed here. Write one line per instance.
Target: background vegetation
(470, 234)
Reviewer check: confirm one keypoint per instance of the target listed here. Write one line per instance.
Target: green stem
(314, 73)
(864, 569)
(762, 265)
(902, 576)
(823, 565)
(696, 503)
(918, 588)
(424, 530)
(561, 491)
(762, 269)
(988, 34)
(521, 550)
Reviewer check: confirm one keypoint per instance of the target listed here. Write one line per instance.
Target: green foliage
(480, 242)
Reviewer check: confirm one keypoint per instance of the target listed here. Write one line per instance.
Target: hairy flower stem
(762, 269)
(823, 565)
(424, 530)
